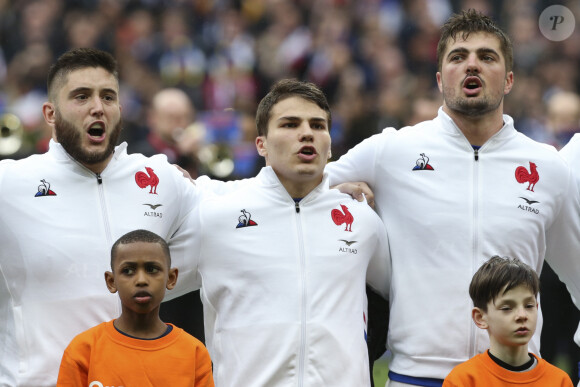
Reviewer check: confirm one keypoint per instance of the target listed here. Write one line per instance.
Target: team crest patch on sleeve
(245, 220)
(44, 189)
(149, 179)
(340, 217)
(531, 177)
(422, 164)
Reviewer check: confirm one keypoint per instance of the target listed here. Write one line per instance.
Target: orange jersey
(482, 371)
(102, 356)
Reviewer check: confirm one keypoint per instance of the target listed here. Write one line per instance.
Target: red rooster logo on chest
(532, 177)
(339, 217)
(144, 180)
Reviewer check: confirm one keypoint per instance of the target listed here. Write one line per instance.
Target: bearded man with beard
(62, 210)
(456, 190)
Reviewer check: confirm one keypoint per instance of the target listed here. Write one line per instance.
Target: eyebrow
(296, 118)
(84, 89)
(463, 50)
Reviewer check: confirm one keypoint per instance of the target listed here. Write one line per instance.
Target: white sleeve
(217, 187)
(379, 269)
(359, 163)
(184, 242)
(571, 153)
(563, 242)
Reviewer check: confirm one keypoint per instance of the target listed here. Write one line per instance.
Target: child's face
(140, 275)
(511, 318)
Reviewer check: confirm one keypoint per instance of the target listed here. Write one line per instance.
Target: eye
(110, 98)
(128, 271)
(319, 126)
(81, 97)
(488, 58)
(152, 269)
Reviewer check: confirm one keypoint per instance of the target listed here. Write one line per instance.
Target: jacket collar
(267, 177)
(448, 125)
(56, 150)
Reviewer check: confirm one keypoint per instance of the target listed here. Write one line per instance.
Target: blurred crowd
(375, 59)
(192, 71)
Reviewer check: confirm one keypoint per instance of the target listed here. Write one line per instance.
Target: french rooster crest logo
(44, 189)
(145, 180)
(422, 164)
(245, 220)
(339, 217)
(531, 177)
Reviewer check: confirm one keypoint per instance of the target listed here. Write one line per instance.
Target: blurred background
(193, 71)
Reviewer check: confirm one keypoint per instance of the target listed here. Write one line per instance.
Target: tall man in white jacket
(62, 210)
(455, 191)
(282, 259)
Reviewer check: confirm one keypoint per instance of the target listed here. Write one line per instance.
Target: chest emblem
(44, 189)
(531, 177)
(339, 217)
(148, 179)
(245, 220)
(422, 164)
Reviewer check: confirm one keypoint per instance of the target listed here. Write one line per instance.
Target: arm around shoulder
(359, 163)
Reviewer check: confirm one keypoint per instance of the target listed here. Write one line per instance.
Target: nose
(97, 107)
(472, 62)
(306, 132)
(141, 278)
(522, 314)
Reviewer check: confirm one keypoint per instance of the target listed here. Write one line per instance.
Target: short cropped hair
(499, 275)
(140, 236)
(471, 21)
(77, 59)
(287, 88)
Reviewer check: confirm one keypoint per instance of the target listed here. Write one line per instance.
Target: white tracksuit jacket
(447, 209)
(284, 298)
(58, 221)
(571, 153)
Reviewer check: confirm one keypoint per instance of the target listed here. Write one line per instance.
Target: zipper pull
(297, 206)
(99, 178)
(476, 154)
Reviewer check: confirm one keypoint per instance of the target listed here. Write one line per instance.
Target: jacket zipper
(474, 263)
(302, 351)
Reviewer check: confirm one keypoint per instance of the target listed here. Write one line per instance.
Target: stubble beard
(70, 139)
(470, 106)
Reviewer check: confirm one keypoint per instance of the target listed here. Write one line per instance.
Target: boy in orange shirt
(504, 293)
(137, 349)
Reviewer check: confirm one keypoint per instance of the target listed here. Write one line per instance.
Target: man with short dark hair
(458, 189)
(62, 210)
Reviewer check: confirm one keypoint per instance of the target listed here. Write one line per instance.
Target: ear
(479, 318)
(262, 146)
(439, 84)
(329, 154)
(509, 82)
(49, 113)
(173, 274)
(110, 281)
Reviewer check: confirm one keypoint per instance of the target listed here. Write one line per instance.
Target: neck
(477, 129)
(300, 189)
(141, 325)
(99, 167)
(512, 355)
